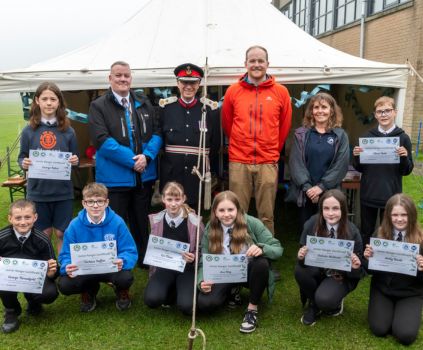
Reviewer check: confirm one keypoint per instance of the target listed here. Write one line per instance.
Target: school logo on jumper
(109, 237)
(331, 140)
(48, 139)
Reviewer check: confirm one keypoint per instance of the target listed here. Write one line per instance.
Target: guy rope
(203, 172)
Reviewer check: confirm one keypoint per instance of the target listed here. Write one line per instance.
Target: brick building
(390, 31)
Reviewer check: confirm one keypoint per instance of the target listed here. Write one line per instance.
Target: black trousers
(368, 222)
(258, 278)
(326, 292)
(133, 204)
(400, 316)
(165, 286)
(91, 283)
(48, 295)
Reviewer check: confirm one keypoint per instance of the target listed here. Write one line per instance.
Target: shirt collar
(26, 235)
(49, 121)
(119, 98)
(177, 220)
(386, 131)
(91, 221)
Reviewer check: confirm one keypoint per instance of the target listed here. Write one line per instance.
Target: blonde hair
(22, 204)
(175, 189)
(335, 119)
(95, 189)
(240, 235)
(384, 100)
(414, 231)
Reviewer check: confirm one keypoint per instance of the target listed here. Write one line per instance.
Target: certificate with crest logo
(94, 258)
(379, 150)
(47, 164)
(393, 256)
(329, 253)
(22, 275)
(225, 268)
(166, 253)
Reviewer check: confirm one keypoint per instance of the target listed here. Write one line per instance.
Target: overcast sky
(34, 30)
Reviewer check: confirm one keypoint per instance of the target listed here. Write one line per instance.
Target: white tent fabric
(166, 33)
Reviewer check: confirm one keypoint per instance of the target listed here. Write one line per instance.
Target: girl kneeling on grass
(396, 300)
(178, 222)
(231, 231)
(325, 289)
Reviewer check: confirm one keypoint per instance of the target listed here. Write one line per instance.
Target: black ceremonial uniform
(180, 125)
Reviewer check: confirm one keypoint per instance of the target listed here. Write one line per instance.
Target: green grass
(62, 326)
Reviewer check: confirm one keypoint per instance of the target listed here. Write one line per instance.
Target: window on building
(346, 11)
(320, 16)
(376, 6)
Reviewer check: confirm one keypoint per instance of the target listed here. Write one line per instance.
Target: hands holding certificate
(188, 257)
(52, 268)
(355, 260)
(73, 160)
(72, 268)
(252, 251)
(369, 253)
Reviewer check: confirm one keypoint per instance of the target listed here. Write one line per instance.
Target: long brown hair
(175, 189)
(335, 119)
(414, 231)
(240, 235)
(321, 227)
(35, 120)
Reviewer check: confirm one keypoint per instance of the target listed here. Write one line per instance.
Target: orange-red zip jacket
(256, 120)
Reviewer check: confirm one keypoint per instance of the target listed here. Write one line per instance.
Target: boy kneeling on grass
(21, 240)
(97, 223)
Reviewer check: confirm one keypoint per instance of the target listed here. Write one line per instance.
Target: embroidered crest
(109, 237)
(48, 139)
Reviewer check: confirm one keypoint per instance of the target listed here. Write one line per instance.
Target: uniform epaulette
(212, 104)
(165, 101)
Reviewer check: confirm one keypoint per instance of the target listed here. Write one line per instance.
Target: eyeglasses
(381, 112)
(99, 202)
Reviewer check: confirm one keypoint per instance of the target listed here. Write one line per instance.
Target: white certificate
(225, 268)
(166, 253)
(393, 256)
(94, 257)
(379, 150)
(49, 165)
(22, 275)
(329, 253)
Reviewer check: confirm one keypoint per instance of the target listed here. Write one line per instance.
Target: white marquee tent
(165, 33)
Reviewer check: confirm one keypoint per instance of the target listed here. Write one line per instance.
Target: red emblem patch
(48, 140)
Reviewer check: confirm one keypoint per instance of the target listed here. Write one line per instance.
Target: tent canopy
(166, 33)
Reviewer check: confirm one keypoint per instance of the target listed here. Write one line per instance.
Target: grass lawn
(62, 326)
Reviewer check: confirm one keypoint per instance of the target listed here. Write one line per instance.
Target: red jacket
(256, 120)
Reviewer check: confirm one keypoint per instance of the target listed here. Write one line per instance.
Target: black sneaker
(123, 302)
(234, 299)
(249, 323)
(11, 321)
(338, 311)
(310, 314)
(34, 309)
(88, 302)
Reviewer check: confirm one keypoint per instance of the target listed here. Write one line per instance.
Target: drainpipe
(363, 16)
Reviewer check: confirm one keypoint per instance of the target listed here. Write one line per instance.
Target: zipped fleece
(257, 120)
